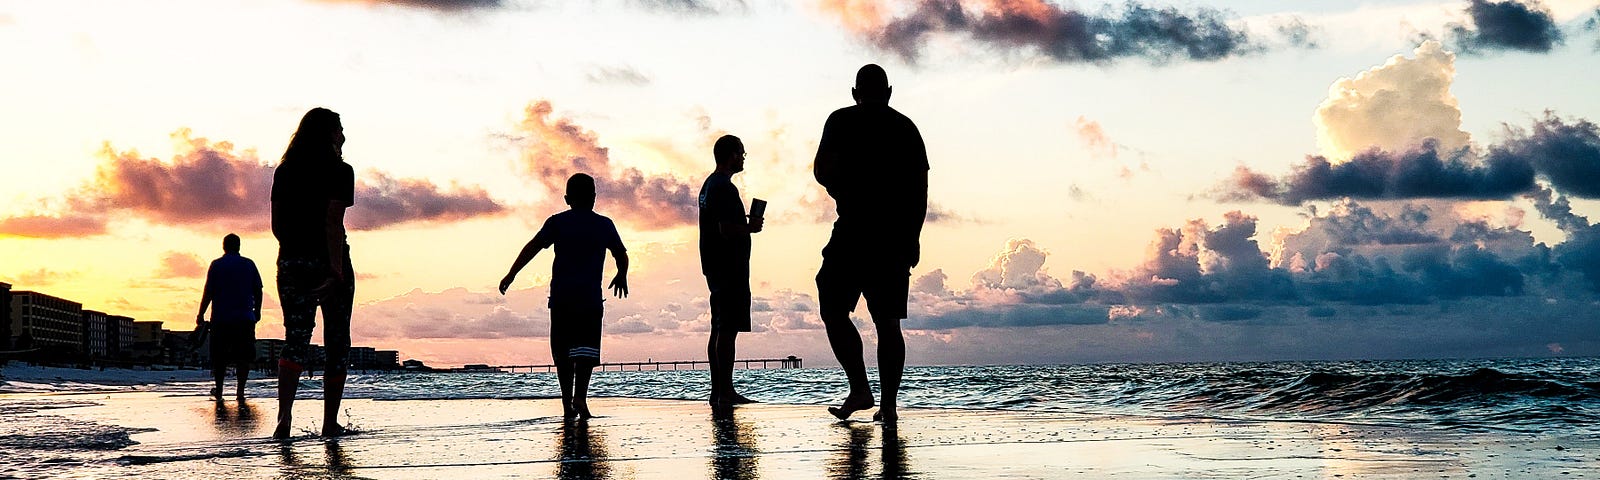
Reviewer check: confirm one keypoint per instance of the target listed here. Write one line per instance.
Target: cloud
(1094, 138)
(554, 149)
(64, 226)
(180, 265)
(690, 7)
(1393, 107)
(382, 200)
(209, 186)
(39, 277)
(1375, 174)
(618, 75)
(1581, 251)
(1062, 34)
(449, 6)
(1565, 153)
(1505, 25)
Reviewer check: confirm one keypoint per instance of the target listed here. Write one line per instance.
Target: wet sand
(193, 437)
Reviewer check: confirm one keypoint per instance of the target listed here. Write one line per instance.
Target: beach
(165, 433)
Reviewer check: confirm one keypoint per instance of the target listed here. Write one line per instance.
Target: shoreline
(191, 436)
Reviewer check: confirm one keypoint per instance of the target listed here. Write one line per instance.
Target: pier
(646, 366)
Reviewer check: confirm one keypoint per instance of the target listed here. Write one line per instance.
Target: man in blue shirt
(581, 238)
(233, 286)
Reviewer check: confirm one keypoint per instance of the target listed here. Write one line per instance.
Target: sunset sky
(1142, 181)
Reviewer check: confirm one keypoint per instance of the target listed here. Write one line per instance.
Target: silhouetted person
(581, 238)
(233, 286)
(582, 453)
(725, 260)
(872, 161)
(311, 189)
(734, 453)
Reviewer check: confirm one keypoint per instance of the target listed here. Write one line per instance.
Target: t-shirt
(875, 162)
(301, 191)
(722, 257)
(581, 238)
(233, 282)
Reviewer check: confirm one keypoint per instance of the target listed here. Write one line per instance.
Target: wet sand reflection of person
(734, 454)
(235, 421)
(582, 453)
(338, 464)
(854, 456)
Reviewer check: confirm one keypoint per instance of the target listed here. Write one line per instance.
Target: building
(95, 338)
(5, 316)
(363, 358)
(119, 337)
(388, 359)
(53, 325)
(146, 341)
(267, 352)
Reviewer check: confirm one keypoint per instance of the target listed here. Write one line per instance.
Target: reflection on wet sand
(854, 456)
(734, 456)
(583, 453)
(237, 421)
(338, 464)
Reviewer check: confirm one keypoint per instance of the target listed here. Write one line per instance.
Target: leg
(219, 371)
(296, 279)
(581, 370)
(838, 290)
(336, 333)
(891, 365)
(288, 382)
(243, 371)
(564, 371)
(711, 356)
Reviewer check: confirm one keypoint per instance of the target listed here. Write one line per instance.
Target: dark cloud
(1064, 34)
(1505, 25)
(1580, 253)
(383, 200)
(1421, 172)
(553, 149)
(211, 187)
(1007, 316)
(618, 75)
(180, 265)
(1567, 153)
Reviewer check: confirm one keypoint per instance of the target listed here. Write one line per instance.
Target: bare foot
(282, 433)
(216, 392)
(730, 400)
(851, 405)
(334, 430)
(582, 408)
(886, 415)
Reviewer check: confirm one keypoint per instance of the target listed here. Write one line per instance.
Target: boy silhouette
(580, 237)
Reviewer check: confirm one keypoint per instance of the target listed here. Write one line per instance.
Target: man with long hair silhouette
(725, 260)
(311, 189)
(581, 238)
(873, 163)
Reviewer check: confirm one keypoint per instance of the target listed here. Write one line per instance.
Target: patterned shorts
(297, 279)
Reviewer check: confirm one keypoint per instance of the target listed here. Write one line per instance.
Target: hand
(619, 286)
(200, 318)
(756, 223)
(505, 283)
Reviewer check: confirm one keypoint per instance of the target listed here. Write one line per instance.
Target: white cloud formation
(1393, 106)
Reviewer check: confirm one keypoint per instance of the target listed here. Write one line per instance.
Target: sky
(1110, 182)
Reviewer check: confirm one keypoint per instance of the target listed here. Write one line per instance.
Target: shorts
(297, 278)
(232, 343)
(842, 283)
(575, 332)
(730, 305)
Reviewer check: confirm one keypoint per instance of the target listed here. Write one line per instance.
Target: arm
(336, 239)
(619, 283)
(528, 251)
(825, 166)
(205, 301)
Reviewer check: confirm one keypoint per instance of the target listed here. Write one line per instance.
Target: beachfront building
(177, 348)
(363, 358)
(95, 341)
(146, 341)
(5, 322)
(388, 359)
(52, 325)
(267, 352)
(119, 337)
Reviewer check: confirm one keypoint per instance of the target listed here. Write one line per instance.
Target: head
(729, 152)
(872, 86)
(580, 192)
(230, 244)
(320, 136)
